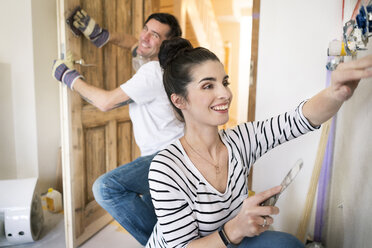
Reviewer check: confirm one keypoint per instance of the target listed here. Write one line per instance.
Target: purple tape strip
(255, 15)
(324, 176)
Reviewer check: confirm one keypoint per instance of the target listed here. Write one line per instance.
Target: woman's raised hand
(346, 77)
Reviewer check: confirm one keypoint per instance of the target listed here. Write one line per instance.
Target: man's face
(151, 37)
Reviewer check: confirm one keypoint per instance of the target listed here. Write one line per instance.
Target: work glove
(91, 30)
(62, 71)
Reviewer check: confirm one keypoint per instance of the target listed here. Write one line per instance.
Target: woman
(199, 183)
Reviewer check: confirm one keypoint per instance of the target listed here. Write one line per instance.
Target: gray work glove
(91, 30)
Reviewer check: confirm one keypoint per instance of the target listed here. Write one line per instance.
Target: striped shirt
(186, 205)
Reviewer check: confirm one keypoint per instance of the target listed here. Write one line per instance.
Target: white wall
(7, 142)
(349, 210)
(17, 52)
(349, 217)
(294, 37)
(30, 108)
(44, 23)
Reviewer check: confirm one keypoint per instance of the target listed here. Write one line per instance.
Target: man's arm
(122, 40)
(103, 99)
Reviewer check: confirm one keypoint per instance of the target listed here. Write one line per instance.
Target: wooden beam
(254, 58)
(65, 137)
(179, 10)
(302, 228)
(92, 117)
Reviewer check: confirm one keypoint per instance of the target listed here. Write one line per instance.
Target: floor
(53, 235)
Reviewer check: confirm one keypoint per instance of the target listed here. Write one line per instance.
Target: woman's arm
(344, 81)
(257, 138)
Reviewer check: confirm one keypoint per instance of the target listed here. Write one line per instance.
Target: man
(124, 191)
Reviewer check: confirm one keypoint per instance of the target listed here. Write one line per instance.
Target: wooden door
(94, 142)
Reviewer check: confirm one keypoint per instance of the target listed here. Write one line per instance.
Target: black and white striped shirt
(186, 205)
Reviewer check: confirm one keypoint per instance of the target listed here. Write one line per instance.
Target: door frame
(65, 134)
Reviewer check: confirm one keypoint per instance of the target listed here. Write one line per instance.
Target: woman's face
(208, 95)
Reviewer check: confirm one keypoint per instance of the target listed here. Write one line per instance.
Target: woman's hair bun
(171, 49)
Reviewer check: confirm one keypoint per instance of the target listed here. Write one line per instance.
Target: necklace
(215, 165)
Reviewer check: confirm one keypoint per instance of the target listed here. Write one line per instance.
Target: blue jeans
(270, 239)
(124, 193)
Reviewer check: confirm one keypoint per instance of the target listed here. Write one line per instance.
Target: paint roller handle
(91, 30)
(252, 218)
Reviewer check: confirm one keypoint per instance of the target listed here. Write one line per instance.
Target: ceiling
(232, 10)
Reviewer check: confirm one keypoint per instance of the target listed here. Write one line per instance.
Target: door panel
(97, 141)
(95, 155)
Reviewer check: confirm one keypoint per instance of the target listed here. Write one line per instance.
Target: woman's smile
(221, 107)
